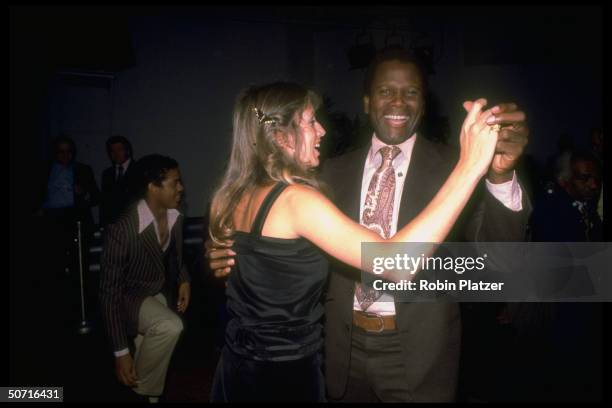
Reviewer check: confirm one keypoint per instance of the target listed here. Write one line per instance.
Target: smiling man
(394, 100)
(376, 349)
(141, 265)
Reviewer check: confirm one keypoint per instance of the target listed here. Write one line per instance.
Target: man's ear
(151, 187)
(366, 104)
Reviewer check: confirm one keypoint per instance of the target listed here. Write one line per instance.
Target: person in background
(67, 196)
(569, 333)
(568, 213)
(115, 186)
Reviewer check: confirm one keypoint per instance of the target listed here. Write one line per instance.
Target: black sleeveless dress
(273, 339)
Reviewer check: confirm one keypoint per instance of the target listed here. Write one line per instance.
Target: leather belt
(372, 322)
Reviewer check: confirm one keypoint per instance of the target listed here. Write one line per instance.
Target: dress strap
(264, 209)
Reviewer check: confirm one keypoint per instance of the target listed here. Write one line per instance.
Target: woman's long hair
(261, 114)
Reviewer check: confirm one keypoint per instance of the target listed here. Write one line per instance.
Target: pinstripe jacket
(132, 268)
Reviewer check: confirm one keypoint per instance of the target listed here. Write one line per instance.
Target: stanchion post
(84, 327)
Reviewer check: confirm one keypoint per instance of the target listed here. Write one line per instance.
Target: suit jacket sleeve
(485, 218)
(92, 187)
(86, 179)
(113, 265)
(492, 221)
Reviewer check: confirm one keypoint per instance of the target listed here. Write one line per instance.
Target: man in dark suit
(115, 193)
(568, 212)
(406, 351)
(141, 266)
(409, 352)
(565, 343)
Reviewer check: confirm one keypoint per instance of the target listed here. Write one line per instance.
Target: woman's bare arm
(317, 219)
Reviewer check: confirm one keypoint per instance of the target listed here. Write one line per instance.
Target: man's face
(118, 153)
(169, 194)
(585, 181)
(64, 154)
(395, 104)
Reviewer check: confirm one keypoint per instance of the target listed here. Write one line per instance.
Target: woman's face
(309, 140)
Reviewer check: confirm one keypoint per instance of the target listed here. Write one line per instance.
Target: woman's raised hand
(477, 139)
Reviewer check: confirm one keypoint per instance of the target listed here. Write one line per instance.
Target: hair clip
(262, 117)
(260, 114)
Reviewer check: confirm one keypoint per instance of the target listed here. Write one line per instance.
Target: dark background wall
(167, 77)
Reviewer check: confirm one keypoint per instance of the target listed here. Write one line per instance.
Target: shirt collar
(405, 147)
(125, 165)
(145, 216)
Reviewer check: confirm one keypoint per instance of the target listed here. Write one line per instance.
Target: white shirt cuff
(122, 352)
(509, 193)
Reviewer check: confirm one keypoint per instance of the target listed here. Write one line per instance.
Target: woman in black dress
(271, 205)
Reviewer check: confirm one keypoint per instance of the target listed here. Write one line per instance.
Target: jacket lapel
(149, 240)
(348, 185)
(419, 186)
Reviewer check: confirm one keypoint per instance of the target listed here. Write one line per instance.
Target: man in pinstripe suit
(141, 266)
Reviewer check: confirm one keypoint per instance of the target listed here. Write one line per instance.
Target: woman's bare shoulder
(298, 192)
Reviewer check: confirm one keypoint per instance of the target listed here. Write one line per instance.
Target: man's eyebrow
(411, 85)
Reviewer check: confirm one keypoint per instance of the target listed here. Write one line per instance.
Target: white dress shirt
(508, 193)
(145, 217)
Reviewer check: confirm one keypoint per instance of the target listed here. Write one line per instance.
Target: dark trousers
(239, 379)
(377, 371)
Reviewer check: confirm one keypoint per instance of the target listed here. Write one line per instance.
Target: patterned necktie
(378, 212)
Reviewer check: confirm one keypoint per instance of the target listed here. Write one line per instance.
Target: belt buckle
(380, 319)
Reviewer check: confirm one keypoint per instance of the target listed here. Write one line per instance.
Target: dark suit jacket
(555, 219)
(430, 332)
(115, 195)
(132, 268)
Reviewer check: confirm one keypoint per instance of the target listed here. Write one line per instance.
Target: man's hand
(511, 141)
(220, 259)
(184, 293)
(126, 371)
